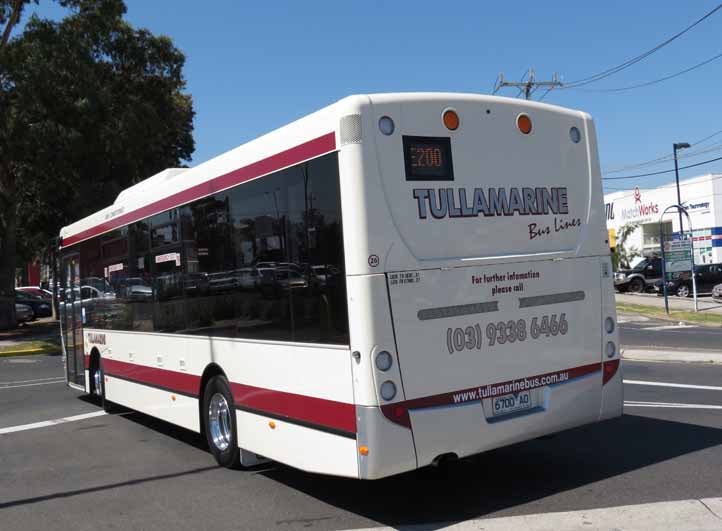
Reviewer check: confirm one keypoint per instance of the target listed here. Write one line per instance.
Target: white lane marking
(672, 405)
(695, 514)
(29, 385)
(34, 380)
(669, 384)
(666, 327)
(46, 423)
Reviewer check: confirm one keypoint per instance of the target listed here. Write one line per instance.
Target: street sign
(677, 245)
(677, 257)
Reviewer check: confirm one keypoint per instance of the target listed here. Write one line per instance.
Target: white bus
(392, 281)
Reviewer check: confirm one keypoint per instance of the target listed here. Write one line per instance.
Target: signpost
(677, 256)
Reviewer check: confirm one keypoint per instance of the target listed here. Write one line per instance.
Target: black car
(706, 277)
(641, 277)
(40, 306)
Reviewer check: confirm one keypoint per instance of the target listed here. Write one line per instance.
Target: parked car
(639, 278)
(247, 278)
(134, 288)
(717, 293)
(706, 277)
(23, 313)
(223, 281)
(40, 306)
(36, 290)
(275, 282)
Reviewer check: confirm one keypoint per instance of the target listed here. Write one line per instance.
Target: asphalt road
(636, 331)
(129, 471)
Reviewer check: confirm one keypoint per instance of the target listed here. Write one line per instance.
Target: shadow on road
(477, 486)
(508, 476)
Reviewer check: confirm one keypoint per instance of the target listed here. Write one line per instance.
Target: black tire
(637, 285)
(224, 447)
(683, 291)
(108, 406)
(622, 289)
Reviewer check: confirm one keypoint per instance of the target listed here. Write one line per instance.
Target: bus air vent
(350, 129)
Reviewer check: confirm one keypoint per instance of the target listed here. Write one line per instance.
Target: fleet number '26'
(502, 332)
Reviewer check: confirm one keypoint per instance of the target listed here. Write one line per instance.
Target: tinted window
(263, 260)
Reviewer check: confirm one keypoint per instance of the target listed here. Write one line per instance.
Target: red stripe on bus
(399, 412)
(180, 382)
(313, 148)
(337, 415)
(319, 411)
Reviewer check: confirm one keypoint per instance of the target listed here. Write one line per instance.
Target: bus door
(71, 319)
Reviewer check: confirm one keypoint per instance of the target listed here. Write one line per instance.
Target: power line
(634, 60)
(707, 138)
(671, 186)
(655, 81)
(660, 172)
(663, 158)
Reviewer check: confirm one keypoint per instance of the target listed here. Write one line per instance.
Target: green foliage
(623, 253)
(90, 105)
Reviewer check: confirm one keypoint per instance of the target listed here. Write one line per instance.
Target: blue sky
(254, 66)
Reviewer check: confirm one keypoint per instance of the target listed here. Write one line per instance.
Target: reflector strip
(554, 298)
(455, 311)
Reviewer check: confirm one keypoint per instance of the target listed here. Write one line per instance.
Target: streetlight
(675, 147)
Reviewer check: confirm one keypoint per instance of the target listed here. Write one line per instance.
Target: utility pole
(675, 147)
(529, 85)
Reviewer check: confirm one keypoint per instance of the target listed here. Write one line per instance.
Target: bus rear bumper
(390, 446)
(468, 429)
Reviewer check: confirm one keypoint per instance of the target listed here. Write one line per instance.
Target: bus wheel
(219, 420)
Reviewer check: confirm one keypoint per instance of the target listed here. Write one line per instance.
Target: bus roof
(309, 137)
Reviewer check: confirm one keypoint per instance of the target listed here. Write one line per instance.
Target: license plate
(503, 405)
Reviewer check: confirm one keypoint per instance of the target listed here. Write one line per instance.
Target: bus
(391, 282)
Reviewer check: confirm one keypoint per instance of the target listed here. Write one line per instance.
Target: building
(701, 196)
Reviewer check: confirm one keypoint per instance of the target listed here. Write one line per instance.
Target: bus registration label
(503, 405)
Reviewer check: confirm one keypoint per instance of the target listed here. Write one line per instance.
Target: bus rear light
(363, 450)
(609, 369)
(523, 122)
(609, 325)
(611, 349)
(386, 125)
(384, 361)
(272, 425)
(574, 135)
(388, 390)
(451, 120)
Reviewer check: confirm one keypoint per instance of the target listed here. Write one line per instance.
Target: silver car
(717, 293)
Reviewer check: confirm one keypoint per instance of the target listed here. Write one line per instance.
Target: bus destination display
(428, 158)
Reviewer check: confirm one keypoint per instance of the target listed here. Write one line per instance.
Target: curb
(670, 318)
(28, 352)
(664, 356)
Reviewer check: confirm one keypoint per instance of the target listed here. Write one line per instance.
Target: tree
(90, 105)
(625, 254)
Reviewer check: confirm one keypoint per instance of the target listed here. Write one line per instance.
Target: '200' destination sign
(457, 203)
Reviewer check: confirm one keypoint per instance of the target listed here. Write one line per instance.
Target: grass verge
(38, 345)
(703, 318)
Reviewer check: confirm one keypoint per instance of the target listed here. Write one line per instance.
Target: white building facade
(701, 196)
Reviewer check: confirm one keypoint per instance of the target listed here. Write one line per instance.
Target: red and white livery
(390, 281)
